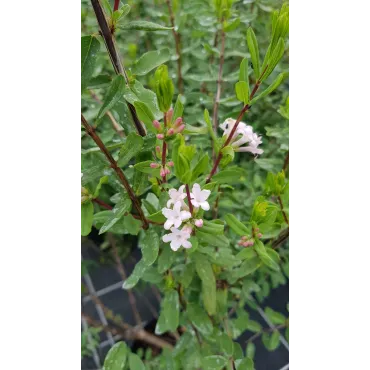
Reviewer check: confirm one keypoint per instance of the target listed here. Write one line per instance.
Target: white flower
(176, 196)
(199, 197)
(175, 216)
(243, 134)
(178, 238)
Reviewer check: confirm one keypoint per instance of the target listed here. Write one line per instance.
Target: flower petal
(205, 206)
(167, 237)
(185, 215)
(168, 224)
(186, 244)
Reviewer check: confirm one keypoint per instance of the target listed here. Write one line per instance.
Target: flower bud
(154, 165)
(84, 191)
(170, 164)
(259, 235)
(84, 198)
(178, 121)
(156, 124)
(169, 115)
(160, 136)
(158, 149)
(198, 223)
(180, 129)
(162, 172)
(170, 132)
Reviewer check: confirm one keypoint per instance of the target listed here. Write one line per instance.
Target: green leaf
(254, 51)
(215, 227)
(99, 82)
(135, 362)
(113, 95)
(265, 258)
(210, 129)
(228, 154)
(87, 214)
(121, 13)
(135, 276)
(205, 273)
(274, 59)
(245, 364)
(90, 47)
(214, 362)
(157, 217)
(144, 114)
(150, 60)
(131, 224)
(102, 180)
(200, 167)
(232, 25)
(246, 268)
(272, 341)
(242, 91)
(150, 246)
(226, 344)
(170, 311)
(246, 253)
(188, 273)
(107, 6)
(251, 350)
(199, 319)
(213, 240)
(275, 317)
(166, 259)
(178, 110)
(145, 167)
(254, 326)
(123, 206)
(271, 88)
(243, 71)
(116, 357)
(229, 176)
(238, 227)
(143, 26)
(164, 88)
(133, 145)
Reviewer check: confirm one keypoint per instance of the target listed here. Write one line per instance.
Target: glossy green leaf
(135, 362)
(279, 79)
(245, 364)
(135, 276)
(145, 167)
(243, 71)
(150, 60)
(87, 214)
(170, 311)
(143, 26)
(90, 47)
(237, 226)
(132, 146)
(149, 245)
(199, 319)
(178, 110)
(157, 217)
(116, 357)
(131, 224)
(213, 240)
(226, 344)
(254, 51)
(250, 350)
(166, 259)
(229, 176)
(214, 362)
(200, 168)
(275, 317)
(231, 26)
(242, 91)
(114, 94)
(254, 326)
(123, 206)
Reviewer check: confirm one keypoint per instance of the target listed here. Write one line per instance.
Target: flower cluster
(243, 135)
(247, 241)
(179, 214)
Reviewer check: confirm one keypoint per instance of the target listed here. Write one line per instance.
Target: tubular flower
(175, 216)
(243, 135)
(178, 238)
(176, 196)
(199, 197)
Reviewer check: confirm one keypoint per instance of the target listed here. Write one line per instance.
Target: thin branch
(189, 199)
(117, 169)
(116, 5)
(110, 43)
(267, 330)
(286, 162)
(284, 235)
(282, 210)
(176, 36)
(134, 333)
(102, 204)
(116, 126)
(164, 151)
(232, 132)
(106, 328)
(122, 272)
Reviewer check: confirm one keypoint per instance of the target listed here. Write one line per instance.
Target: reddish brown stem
(189, 199)
(176, 36)
(164, 149)
(282, 210)
(135, 201)
(103, 204)
(116, 5)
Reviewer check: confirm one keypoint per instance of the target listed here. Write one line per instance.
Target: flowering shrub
(206, 197)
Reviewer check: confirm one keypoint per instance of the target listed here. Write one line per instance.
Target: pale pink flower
(178, 238)
(199, 197)
(175, 216)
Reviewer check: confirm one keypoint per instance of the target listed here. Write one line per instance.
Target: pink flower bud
(170, 164)
(187, 228)
(256, 229)
(154, 165)
(180, 129)
(169, 115)
(162, 172)
(158, 149)
(259, 235)
(160, 136)
(156, 124)
(167, 170)
(170, 132)
(198, 223)
(178, 121)
(244, 237)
